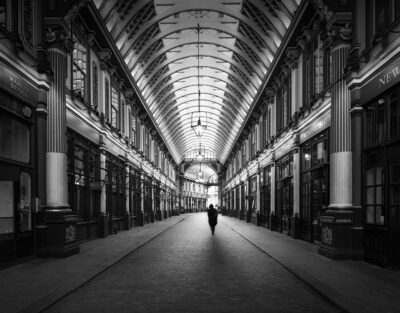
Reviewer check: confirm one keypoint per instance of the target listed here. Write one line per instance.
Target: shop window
(114, 108)
(14, 140)
(3, 13)
(374, 195)
(24, 205)
(395, 195)
(95, 85)
(6, 207)
(79, 60)
(374, 125)
(83, 177)
(394, 120)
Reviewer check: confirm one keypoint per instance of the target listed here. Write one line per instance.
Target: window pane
(79, 56)
(24, 205)
(370, 215)
(379, 215)
(381, 122)
(14, 140)
(379, 195)
(380, 14)
(3, 13)
(370, 195)
(370, 177)
(394, 115)
(6, 207)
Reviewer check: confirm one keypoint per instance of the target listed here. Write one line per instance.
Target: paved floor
(193, 271)
(178, 266)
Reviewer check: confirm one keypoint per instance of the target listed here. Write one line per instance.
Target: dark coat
(212, 216)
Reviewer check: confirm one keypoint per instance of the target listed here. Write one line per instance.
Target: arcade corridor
(194, 271)
(178, 266)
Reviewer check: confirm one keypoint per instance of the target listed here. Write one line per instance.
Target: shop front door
(16, 236)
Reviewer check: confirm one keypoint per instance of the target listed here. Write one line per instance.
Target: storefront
(237, 202)
(148, 200)
(265, 194)
(314, 182)
(284, 193)
(252, 201)
(135, 198)
(243, 207)
(18, 185)
(381, 179)
(116, 192)
(84, 186)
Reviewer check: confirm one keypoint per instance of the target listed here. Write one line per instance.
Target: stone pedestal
(139, 219)
(103, 225)
(294, 230)
(59, 234)
(337, 234)
(127, 221)
(273, 222)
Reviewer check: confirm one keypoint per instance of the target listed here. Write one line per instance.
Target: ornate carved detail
(353, 61)
(58, 36)
(322, 9)
(73, 9)
(15, 106)
(28, 22)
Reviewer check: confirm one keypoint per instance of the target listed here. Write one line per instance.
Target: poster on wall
(6, 207)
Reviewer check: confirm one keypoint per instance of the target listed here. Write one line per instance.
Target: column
(336, 224)
(258, 203)
(58, 216)
(127, 215)
(103, 219)
(140, 213)
(295, 222)
(272, 217)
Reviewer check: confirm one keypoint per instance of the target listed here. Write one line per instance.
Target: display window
(314, 188)
(284, 191)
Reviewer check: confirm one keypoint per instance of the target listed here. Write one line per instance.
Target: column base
(103, 225)
(127, 221)
(273, 222)
(58, 234)
(339, 239)
(139, 219)
(294, 230)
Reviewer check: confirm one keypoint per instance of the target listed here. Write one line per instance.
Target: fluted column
(56, 157)
(338, 220)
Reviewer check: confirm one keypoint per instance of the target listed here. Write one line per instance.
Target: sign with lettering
(315, 127)
(16, 85)
(383, 80)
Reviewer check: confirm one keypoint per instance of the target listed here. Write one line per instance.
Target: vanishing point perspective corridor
(194, 271)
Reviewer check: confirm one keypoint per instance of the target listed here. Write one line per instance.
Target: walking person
(212, 218)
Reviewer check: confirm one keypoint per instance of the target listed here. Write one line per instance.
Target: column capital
(57, 37)
(339, 29)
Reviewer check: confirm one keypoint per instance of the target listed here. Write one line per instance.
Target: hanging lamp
(199, 128)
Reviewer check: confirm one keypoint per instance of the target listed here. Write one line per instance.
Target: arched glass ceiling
(193, 171)
(158, 40)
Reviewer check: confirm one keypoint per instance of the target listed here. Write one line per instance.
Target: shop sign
(16, 85)
(285, 148)
(385, 79)
(315, 127)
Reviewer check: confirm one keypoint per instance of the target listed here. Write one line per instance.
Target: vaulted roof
(158, 40)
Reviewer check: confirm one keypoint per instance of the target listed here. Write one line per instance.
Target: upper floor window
(3, 13)
(122, 116)
(107, 97)
(253, 141)
(269, 121)
(114, 107)
(318, 66)
(381, 14)
(79, 61)
(95, 84)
